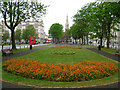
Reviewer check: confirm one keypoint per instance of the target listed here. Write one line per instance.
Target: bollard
(99, 47)
(30, 47)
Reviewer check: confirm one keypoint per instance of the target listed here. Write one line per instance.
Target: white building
(39, 26)
(114, 42)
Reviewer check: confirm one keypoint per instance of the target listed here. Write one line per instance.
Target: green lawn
(81, 55)
(89, 46)
(109, 50)
(45, 55)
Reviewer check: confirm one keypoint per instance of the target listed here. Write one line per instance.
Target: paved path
(13, 85)
(111, 56)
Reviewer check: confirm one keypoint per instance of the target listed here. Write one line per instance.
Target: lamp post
(2, 35)
(2, 41)
(119, 39)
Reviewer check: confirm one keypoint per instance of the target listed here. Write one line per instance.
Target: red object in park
(32, 40)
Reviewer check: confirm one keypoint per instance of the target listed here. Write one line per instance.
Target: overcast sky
(59, 9)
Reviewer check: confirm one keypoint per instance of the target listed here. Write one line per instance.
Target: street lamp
(2, 41)
(119, 39)
(2, 35)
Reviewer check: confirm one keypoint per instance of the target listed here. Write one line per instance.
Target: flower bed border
(66, 46)
(64, 74)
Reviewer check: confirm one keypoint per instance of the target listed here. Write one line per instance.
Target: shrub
(85, 70)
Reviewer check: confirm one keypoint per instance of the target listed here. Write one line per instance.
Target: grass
(90, 46)
(109, 50)
(44, 83)
(81, 55)
(23, 49)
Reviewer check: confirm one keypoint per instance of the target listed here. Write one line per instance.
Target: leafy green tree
(28, 32)
(18, 34)
(69, 34)
(74, 31)
(82, 20)
(14, 13)
(56, 31)
(97, 23)
(105, 12)
(5, 35)
(98, 19)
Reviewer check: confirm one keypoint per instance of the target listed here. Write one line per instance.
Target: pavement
(7, 85)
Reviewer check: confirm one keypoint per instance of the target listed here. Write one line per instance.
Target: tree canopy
(98, 19)
(56, 31)
(14, 12)
(28, 32)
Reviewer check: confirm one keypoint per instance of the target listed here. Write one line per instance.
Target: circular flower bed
(66, 46)
(85, 70)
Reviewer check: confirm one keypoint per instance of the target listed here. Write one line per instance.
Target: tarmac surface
(7, 85)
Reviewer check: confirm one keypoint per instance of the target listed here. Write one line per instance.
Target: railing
(20, 46)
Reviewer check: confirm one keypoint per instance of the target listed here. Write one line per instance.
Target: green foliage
(56, 31)
(5, 35)
(28, 32)
(18, 34)
(74, 31)
(98, 19)
(14, 13)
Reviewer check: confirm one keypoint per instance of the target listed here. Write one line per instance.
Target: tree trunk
(108, 37)
(82, 39)
(108, 42)
(87, 39)
(19, 40)
(53, 40)
(13, 39)
(79, 41)
(75, 40)
(101, 38)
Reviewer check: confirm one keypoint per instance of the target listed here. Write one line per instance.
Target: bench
(6, 51)
(117, 53)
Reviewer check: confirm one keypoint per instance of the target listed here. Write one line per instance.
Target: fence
(19, 46)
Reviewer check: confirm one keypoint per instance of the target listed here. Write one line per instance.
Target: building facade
(114, 42)
(39, 26)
